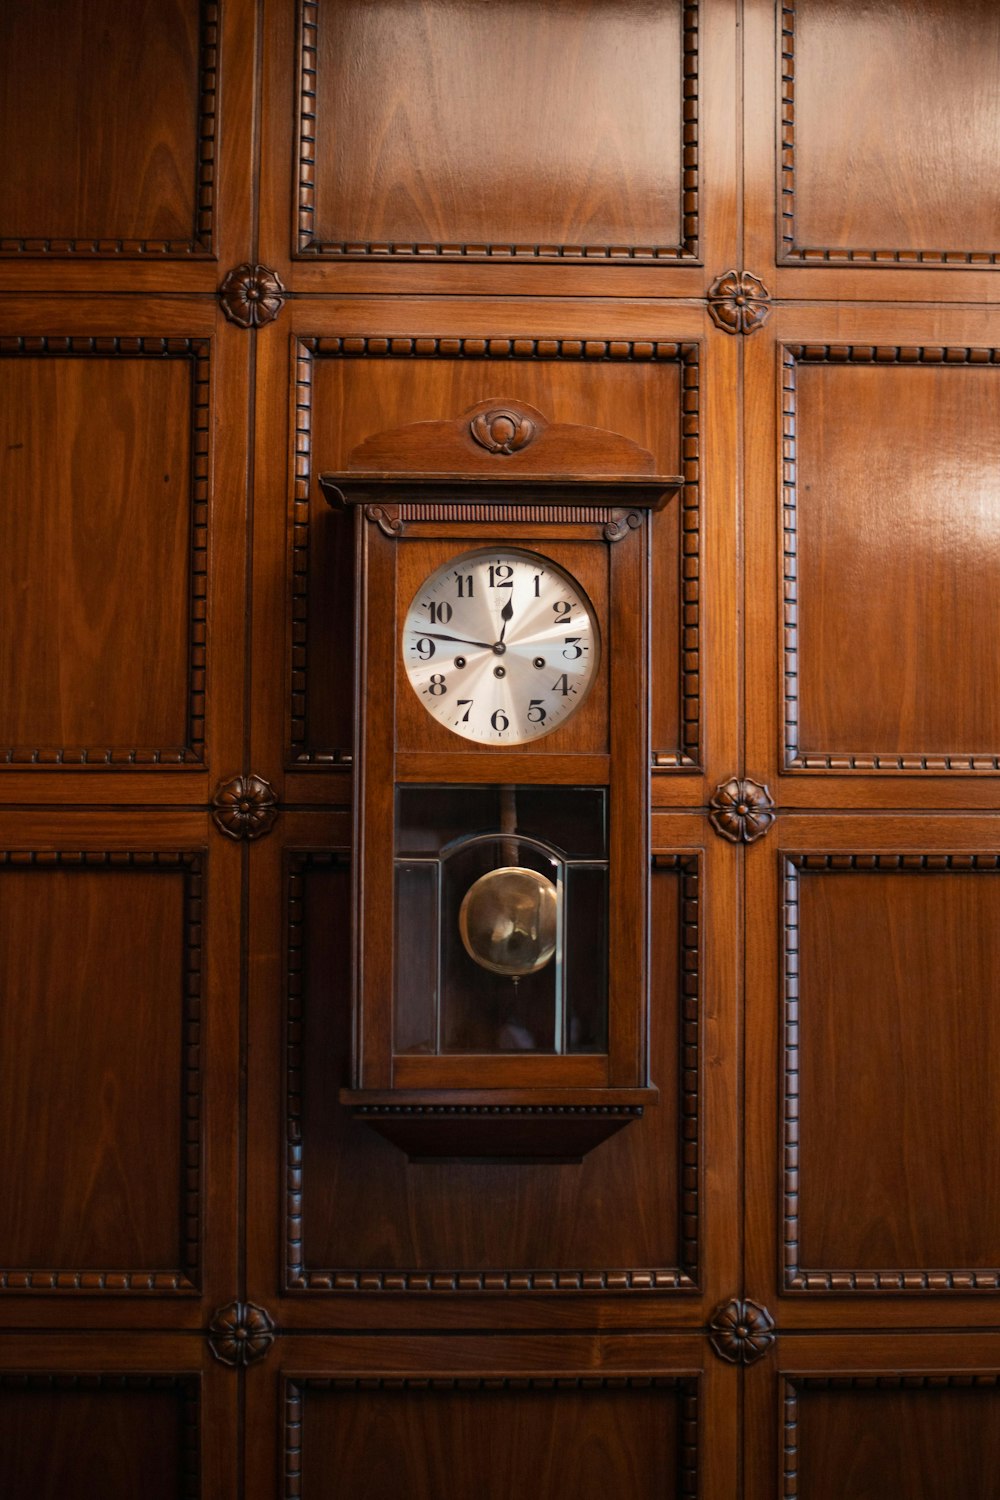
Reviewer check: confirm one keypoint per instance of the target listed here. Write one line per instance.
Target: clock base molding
(498, 1125)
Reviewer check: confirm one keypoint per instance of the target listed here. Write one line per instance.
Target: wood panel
(415, 161)
(871, 501)
(554, 1439)
(892, 174)
(361, 1215)
(91, 1202)
(122, 162)
(845, 1416)
(881, 1015)
(892, 603)
(526, 1414)
(114, 434)
(70, 1437)
(83, 1415)
(890, 1037)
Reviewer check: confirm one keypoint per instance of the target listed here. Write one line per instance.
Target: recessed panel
(478, 145)
(99, 1101)
(890, 117)
(108, 120)
(892, 1046)
(103, 520)
(891, 559)
(74, 1437)
(648, 392)
(928, 1437)
(489, 1440)
(359, 1213)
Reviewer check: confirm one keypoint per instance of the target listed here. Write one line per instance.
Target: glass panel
(417, 955)
(501, 919)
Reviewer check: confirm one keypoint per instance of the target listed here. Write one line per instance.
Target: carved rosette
(252, 295)
(245, 807)
(741, 1332)
(738, 302)
(240, 1334)
(741, 810)
(502, 431)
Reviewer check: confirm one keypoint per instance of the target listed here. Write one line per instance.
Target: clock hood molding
(502, 435)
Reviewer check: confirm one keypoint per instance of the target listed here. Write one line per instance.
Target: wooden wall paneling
(560, 1417)
(120, 1068)
(871, 620)
(641, 1226)
(870, 976)
(149, 1413)
(124, 480)
(411, 180)
(128, 144)
(347, 386)
(880, 184)
(830, 1415)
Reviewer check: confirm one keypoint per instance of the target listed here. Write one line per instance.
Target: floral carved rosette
(741, 1332)
(245, 807)
(252, 295)
(741, 810)
(738, 302)
(240, 1333)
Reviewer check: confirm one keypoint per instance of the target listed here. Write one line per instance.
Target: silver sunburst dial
(501, 646)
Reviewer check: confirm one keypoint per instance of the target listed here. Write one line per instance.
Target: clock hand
(459, 640)
(506, 615)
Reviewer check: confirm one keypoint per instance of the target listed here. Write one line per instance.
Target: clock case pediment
(501, 475)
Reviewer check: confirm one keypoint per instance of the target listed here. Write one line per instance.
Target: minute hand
(459, 640)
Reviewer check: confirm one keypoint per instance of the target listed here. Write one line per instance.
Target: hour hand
(506, 615)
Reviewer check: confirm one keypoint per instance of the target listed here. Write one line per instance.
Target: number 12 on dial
(500, 646)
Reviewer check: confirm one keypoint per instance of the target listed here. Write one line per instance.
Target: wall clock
(501, 783)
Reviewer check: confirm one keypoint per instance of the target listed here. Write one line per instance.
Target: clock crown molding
(503, 433)
(252, 295)
(738, 302)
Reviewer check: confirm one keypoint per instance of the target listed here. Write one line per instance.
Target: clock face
(500, 646)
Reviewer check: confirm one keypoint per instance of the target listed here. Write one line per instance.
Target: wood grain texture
(891, 577)
(71, 1437)
(109, 128)
(899, 172)
(104, 474)
(101, 1032)
(360, 1217)
(479, 147)
(892, 1039)
(930, 1437)
(554, 1439)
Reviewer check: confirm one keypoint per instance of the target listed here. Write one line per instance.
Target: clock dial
(500, 646)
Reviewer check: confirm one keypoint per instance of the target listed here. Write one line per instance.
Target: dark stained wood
(438, 167)
(75, 1436)
(893, 173)
(890, 521)
(103, 493)
(897, 1044)
(501, 1438)
(122, 161)
(115, 1044)
(148, 150)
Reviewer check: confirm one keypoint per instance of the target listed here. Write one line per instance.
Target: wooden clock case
(500, 475)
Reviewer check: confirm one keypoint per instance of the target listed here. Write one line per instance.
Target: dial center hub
(499, 648)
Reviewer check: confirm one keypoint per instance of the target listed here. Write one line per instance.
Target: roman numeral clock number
(500, 646)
